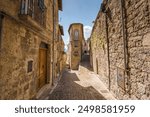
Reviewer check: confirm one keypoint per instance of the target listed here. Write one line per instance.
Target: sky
(78, 11)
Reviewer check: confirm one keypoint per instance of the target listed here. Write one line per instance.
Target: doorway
(42, 65)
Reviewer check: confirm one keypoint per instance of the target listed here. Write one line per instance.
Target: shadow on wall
(67, 89)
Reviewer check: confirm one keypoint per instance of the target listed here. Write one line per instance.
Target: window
(23, 7)
(76, 33)
(34, 8)
(31, 8)
(76, 43)
(41, 5)
(30, 66)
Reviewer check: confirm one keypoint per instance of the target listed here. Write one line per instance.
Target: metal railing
(124, 81)
(35, 9)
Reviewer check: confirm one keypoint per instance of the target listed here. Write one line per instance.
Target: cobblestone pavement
(80, 85)
(68, 89)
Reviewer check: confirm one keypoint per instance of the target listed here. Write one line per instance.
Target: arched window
(76, 33)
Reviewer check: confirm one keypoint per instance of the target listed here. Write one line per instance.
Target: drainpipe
(53, 42)
(107, 39)
(125, 44)
(124, 34)
(1, 28)
(105, 11)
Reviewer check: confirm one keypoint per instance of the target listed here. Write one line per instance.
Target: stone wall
(20, 44)
(76, 45)
(112, 50)
(60, 52)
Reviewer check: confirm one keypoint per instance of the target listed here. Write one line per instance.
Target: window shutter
(41, 5)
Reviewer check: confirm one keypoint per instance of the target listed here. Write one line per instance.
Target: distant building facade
(27, 31)
(76, 45)
(60, 52)
(86, 47)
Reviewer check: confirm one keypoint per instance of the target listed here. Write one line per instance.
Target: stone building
(27, 31)
(120, 47)
(75, 45)
(57, 7)
(86, 47)
(60, 52)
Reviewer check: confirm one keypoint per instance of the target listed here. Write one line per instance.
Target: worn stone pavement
(80, 85)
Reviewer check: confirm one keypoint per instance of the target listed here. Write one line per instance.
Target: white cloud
(87, 31)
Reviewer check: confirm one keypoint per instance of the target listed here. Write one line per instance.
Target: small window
(23, 7)
(76, 43)
(76, 33)
(30, 66)
(30, 7)
(76, 53)
(41, 5)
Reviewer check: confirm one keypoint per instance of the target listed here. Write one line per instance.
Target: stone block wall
(75, 52)
(20, 44)
(108, 47)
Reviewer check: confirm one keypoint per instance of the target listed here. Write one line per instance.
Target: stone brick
(138, 46)
(23, 35)
(146, 40)
(76, 45)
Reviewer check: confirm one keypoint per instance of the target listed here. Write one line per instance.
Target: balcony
(33, 12)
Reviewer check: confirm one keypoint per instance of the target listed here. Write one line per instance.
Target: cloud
(87, 31)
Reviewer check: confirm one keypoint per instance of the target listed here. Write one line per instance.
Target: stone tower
(75, 46)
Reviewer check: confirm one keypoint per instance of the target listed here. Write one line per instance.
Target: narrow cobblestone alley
(80, 85)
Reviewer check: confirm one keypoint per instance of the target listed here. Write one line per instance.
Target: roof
(60, 5)
(61, 30)
(74, 24)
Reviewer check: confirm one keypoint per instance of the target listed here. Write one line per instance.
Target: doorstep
(46, 90)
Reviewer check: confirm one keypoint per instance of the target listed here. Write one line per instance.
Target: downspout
(1, 29)
(53, 42)
(124, 34)
(105, 11)
(107, 39)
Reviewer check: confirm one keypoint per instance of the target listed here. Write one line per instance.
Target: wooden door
(42, 67)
